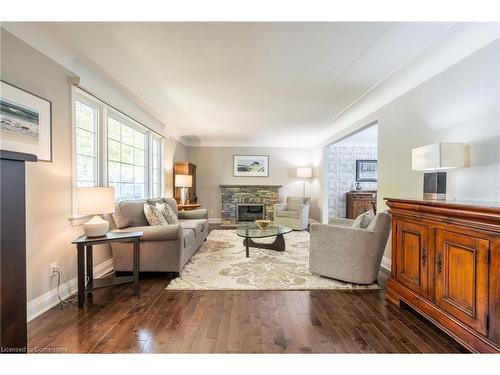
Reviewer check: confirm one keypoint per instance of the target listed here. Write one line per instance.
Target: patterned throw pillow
(167, 212)
(363, 220)
(153, 216)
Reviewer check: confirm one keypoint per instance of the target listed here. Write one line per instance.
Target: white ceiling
(246, 83)
(365, 137)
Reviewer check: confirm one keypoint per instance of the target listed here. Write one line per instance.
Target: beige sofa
(294, 213)
(339, 251)
(164, 248)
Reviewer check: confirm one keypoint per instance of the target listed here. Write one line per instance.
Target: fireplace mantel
(234, 194)
(252, 186)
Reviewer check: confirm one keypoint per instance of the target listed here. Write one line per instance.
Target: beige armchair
(294, 213)
(339, 251)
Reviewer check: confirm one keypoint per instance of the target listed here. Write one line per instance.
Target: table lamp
(96, 201)
(437, 158)
(304, 173)
(183, 181)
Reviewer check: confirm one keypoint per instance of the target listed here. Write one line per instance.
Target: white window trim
(103, 112)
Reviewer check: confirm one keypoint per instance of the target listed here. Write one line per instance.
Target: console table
(446, 265)
(84, 247)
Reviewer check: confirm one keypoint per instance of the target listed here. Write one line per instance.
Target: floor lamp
(304, 173)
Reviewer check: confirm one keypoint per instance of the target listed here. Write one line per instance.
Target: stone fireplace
(251, 196)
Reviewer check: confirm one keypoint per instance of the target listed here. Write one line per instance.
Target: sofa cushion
(130, 213)
(203, 222)
(194, 225)
(167, 212)
(153, 215)
(292, 214)
(363, 220)
(188, 235)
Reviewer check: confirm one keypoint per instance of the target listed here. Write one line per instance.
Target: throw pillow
(363, 220)
(294, 203)
(153, 216)
(167, 212)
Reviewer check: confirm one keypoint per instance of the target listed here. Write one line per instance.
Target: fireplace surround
(234, 195)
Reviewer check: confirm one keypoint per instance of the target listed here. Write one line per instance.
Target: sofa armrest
(200, 213)
(168, 232)
(304, 211)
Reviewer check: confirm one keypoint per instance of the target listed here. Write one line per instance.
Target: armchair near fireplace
(294, 213)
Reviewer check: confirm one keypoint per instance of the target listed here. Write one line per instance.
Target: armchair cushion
(363, 220)
(294, 203)
(293, 214)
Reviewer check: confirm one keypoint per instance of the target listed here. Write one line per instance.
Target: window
(86, 141)
(112, 149)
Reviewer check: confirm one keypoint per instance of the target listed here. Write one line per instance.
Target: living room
(250, 187)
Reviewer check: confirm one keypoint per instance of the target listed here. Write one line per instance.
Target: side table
(84, 247)
(188, 206)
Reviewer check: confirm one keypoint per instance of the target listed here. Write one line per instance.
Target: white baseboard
(386, 263)
(214, 220)
(50, 299)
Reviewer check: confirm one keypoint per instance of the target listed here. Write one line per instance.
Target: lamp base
(184, 195)
(96, 227)
(435, 186)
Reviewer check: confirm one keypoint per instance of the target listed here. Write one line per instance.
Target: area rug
(221, 264)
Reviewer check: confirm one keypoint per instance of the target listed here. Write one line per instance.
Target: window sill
(79, 219)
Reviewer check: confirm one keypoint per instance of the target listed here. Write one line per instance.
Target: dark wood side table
(84, 247)
(188, 206)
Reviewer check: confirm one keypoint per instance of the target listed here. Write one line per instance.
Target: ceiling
(365, 137)
(276, 84)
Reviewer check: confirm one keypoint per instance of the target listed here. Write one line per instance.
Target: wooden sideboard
(358, 202)
(189, 169)
(446, 265)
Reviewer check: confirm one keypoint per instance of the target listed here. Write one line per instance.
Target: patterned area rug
(220, 264)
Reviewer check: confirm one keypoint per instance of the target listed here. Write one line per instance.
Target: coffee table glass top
(252, 231)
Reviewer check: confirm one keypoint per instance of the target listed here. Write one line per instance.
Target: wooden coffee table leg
(277, 245)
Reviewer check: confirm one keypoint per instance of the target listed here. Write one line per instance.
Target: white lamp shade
(438, 156)
(304, 172)
(183, 180)
(96, 200)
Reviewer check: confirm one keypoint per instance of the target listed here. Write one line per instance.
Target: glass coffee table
(248, 232)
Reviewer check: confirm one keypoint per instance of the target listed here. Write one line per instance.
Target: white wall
(215, 167)
(461, 104)
(49, 184)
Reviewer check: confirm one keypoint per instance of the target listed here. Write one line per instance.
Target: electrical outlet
(53, 269)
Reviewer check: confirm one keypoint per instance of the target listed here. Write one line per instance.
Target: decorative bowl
(262, 224)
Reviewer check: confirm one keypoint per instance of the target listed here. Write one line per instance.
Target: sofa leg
(176, 274)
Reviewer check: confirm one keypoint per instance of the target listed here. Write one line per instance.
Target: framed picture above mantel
(25, 122)
(251, 166)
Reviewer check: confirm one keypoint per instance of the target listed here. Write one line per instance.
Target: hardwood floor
(159, 321)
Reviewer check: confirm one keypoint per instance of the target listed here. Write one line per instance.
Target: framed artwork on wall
(251, 166)
(366, 170)
(25, 122)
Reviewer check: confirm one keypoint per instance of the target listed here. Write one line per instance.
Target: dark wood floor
(160, 321)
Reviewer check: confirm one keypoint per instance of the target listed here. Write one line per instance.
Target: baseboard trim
(386, 263)
(50, 299)
(214, 220)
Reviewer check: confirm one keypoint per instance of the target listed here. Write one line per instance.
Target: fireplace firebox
(246, 212)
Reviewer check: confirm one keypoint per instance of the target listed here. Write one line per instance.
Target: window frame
(104, 111)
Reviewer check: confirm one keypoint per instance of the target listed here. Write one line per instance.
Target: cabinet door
(412, 256)
(462, 277)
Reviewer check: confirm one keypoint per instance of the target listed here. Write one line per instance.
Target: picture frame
(251, 165)
(366, 171)
(25, 122)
